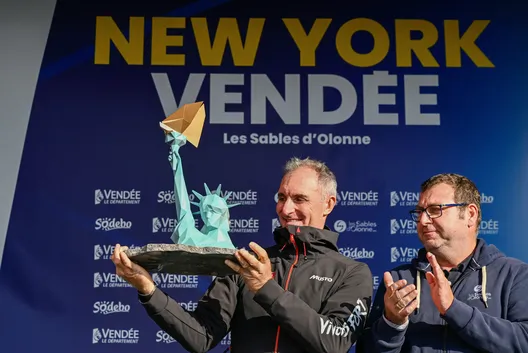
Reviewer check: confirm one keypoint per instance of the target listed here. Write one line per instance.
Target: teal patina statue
(213, 208)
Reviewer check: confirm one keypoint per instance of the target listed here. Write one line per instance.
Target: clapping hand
(400, 299)
(441, 292)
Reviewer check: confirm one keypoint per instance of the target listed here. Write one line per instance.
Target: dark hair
(465, 190)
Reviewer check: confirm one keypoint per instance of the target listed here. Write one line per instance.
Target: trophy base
(183, 259)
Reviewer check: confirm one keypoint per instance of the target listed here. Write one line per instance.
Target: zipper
(292, 240)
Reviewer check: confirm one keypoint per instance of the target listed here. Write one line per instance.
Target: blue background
(96, 127)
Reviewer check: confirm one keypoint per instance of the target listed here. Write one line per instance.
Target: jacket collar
(314, 239)
(483, 255)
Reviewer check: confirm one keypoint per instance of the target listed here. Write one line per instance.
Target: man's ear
(329, 205)
(473, 214)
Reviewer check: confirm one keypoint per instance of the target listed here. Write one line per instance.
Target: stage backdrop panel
(387, 94)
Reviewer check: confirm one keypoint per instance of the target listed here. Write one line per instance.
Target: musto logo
(321, 279)
(357, 253)
(169, 280)
(111, 336)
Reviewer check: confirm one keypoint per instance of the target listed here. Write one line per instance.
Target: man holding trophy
(300, 295)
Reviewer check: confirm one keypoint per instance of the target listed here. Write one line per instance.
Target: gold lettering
(454, 44)
(106, 32)
(307, 43)
(405, 46)
(211, 54)
(161, 40)
(344, 42)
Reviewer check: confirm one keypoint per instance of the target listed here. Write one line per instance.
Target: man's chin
(432, 245)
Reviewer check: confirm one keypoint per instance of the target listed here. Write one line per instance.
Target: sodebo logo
(357, 253)
(167, 196)
(106, 307)
(108, 224)
(486, 198)
(164, 337)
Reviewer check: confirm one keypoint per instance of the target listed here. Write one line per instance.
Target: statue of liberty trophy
(194, 251)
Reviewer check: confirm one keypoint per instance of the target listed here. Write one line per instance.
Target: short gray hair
(327, 179)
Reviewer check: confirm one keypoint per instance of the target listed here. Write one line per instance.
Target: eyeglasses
(432, 211)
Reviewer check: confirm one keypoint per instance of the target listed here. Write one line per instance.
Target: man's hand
(440, 287)
(400, 299)
(134, 274)
(255, 271)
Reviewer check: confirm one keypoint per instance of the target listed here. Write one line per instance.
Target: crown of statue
(209, 197)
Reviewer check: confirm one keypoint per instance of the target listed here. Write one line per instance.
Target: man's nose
(424, 218)
(288, 206)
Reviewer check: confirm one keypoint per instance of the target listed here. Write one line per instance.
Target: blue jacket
(494, 322)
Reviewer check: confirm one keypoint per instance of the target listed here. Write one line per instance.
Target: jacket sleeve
(202, 329)
(488, 333)
(378, 335)
(341, 318)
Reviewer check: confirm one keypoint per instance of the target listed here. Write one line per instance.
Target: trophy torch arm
(184, 214)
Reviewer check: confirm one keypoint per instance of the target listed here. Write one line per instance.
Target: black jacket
(317, 303)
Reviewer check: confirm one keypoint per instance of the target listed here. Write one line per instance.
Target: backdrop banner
(387, 94)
